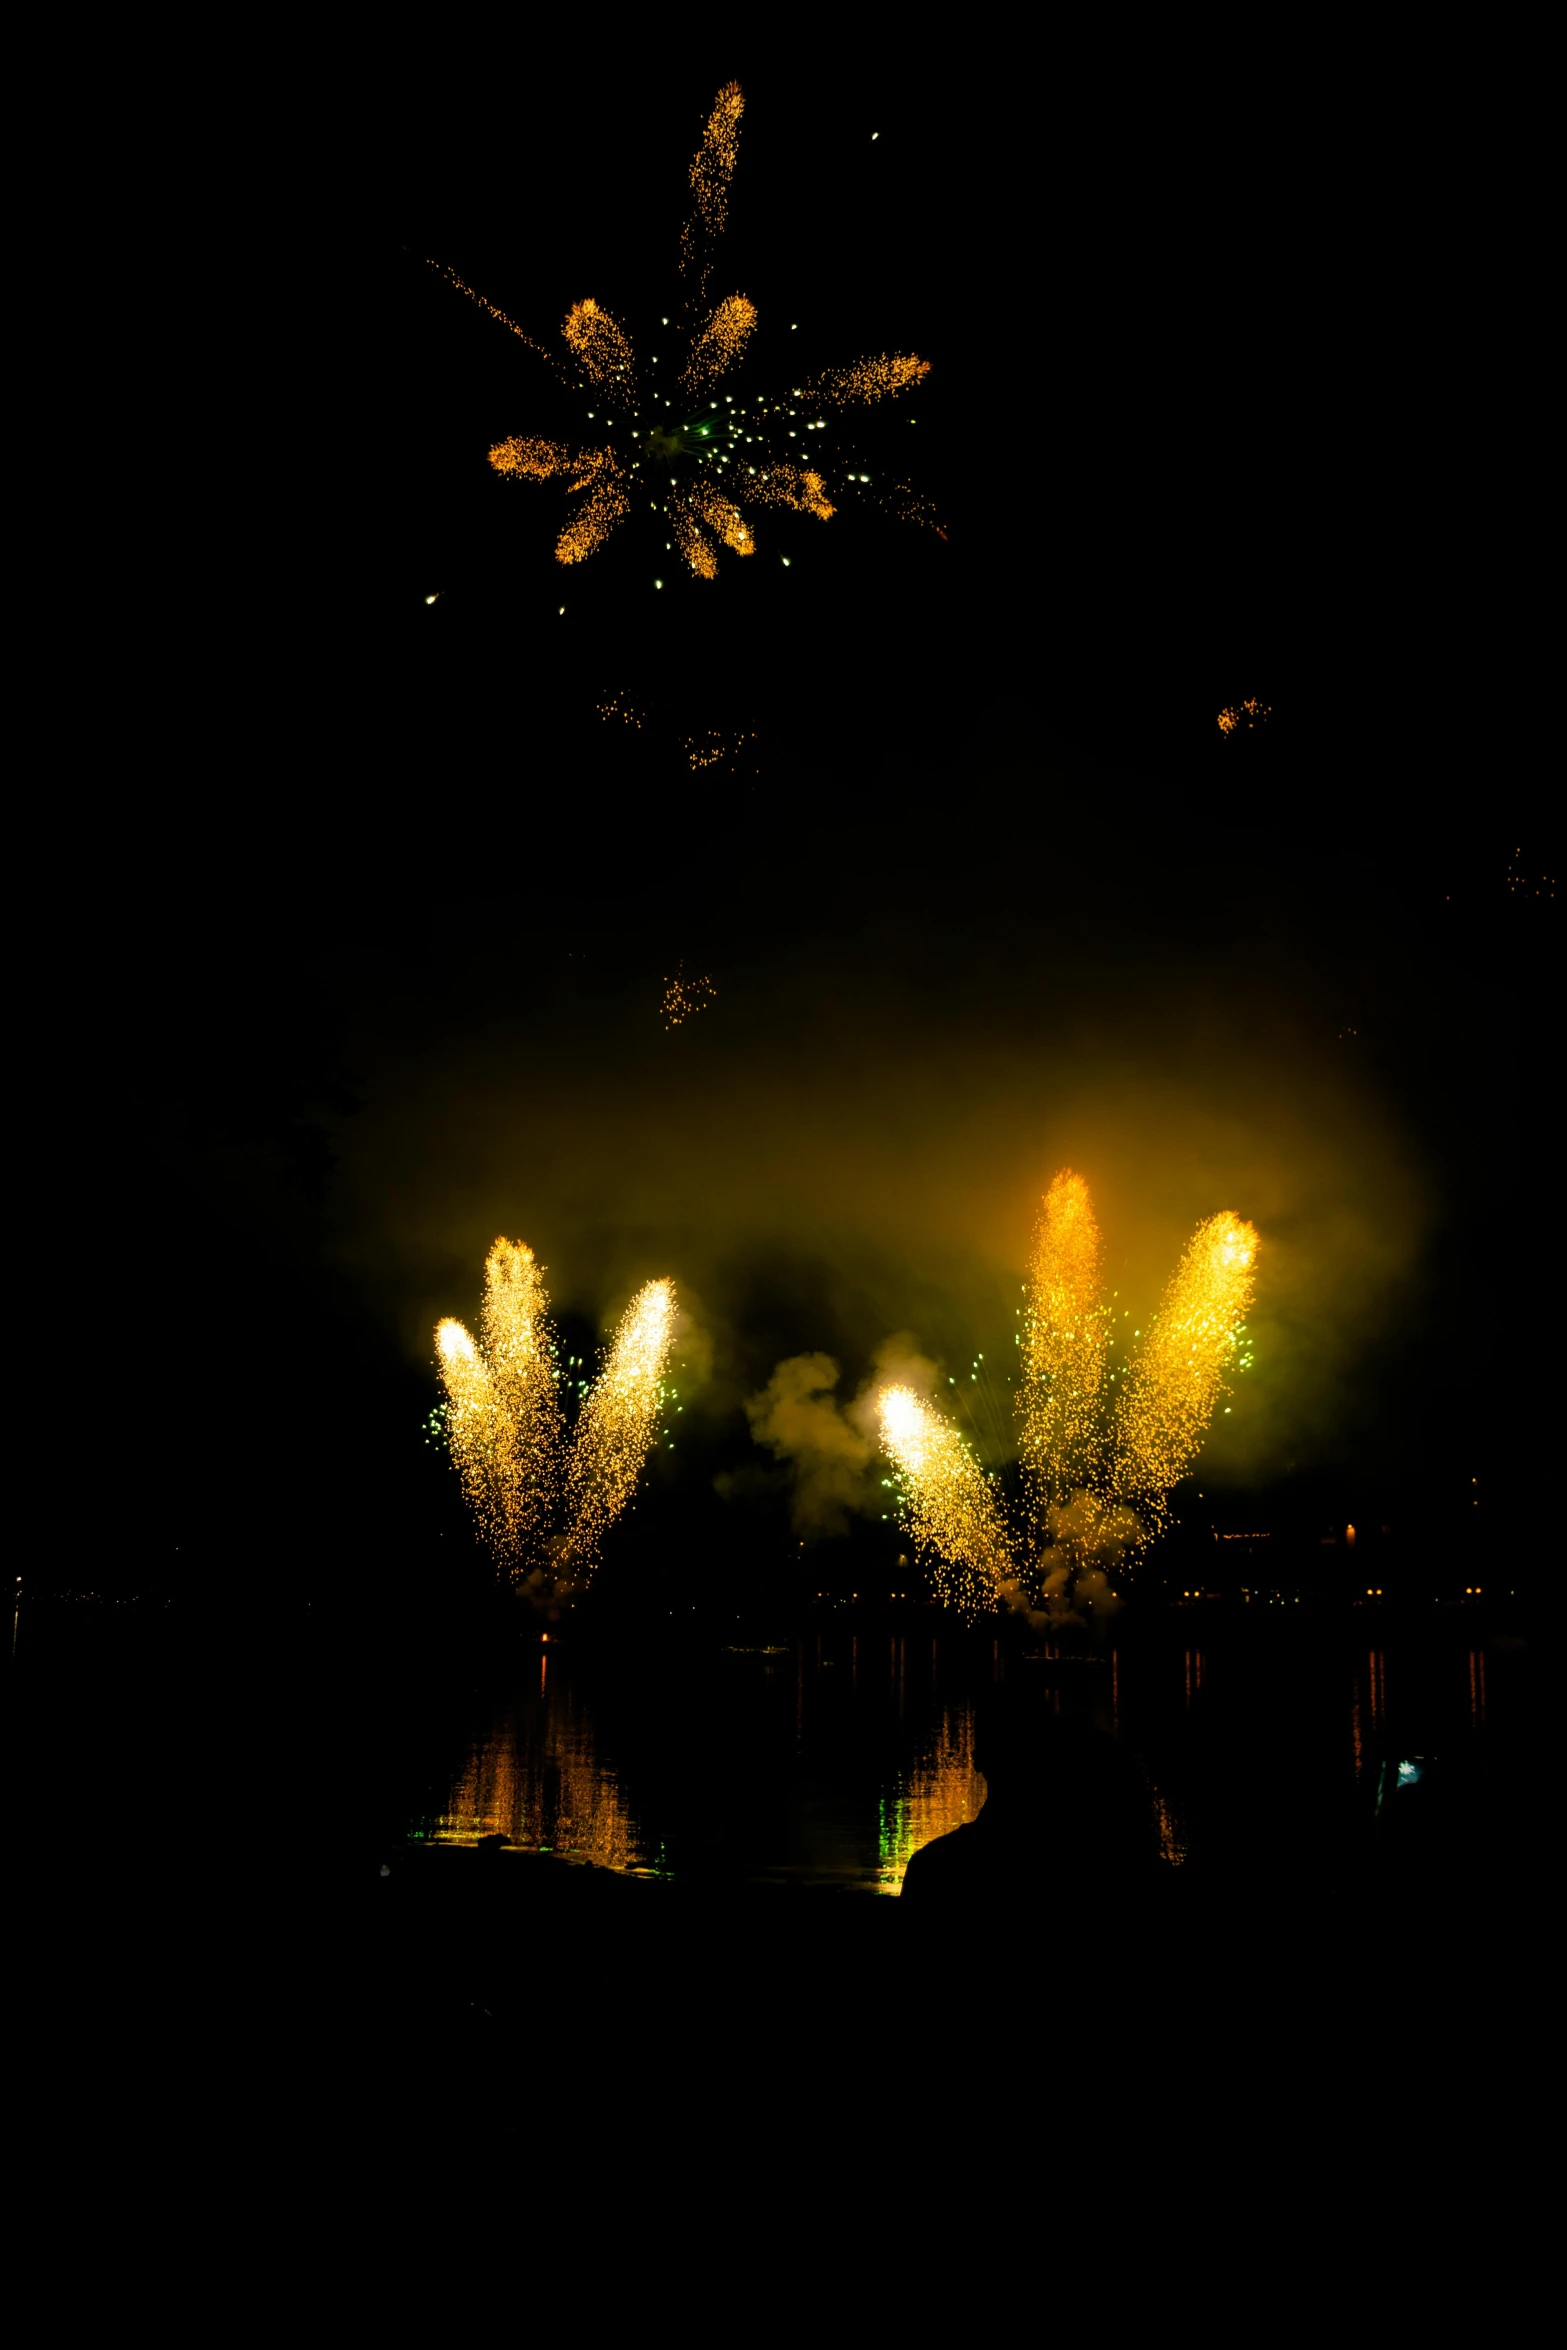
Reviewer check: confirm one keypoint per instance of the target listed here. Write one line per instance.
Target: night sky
(382, 958)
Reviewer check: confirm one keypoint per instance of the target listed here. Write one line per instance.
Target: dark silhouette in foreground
(1066, 1822)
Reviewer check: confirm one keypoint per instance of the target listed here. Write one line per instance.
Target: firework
(505, 1426)
(948, 1502)
(695, 455)
(712, 169)
(1065, 1342)
(517, 1340)
(1097, 1461)
(719, 343)
(500, 316)
(866, 380)
(1243, 716)
(710, 748)
(683, 998)
(618, 1424)
(1175, 1382)
(473, 1428)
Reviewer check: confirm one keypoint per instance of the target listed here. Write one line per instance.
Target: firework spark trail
(722, 517)
(517, 1340)
(712, 168)
(1066, 1335)
(720, 342)
(618, 1424)
(1177, 1379)
(791, 485)
(904, 503)
(595, 470)
(601, 345)
(867, 380)
(463, 287)
(606, 504)
(530, 459)
(474, 1428)
(948, 1504)
(700, 558)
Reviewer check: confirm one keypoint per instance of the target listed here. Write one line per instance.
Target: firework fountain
(1099, 1450)
(543, 1505)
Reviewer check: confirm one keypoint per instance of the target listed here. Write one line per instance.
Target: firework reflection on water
(879, 1752)
(831, 1762)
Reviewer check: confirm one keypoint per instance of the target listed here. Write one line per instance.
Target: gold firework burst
(684, 998)
(695, 455)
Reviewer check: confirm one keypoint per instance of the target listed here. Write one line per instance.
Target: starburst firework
(695, 455)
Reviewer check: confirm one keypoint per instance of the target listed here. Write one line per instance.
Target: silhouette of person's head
(1066, 1811)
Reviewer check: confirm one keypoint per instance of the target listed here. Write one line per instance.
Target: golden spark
(683, 997)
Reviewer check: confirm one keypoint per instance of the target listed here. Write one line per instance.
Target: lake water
(831, 1759)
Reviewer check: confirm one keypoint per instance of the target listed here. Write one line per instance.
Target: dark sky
(988, 894)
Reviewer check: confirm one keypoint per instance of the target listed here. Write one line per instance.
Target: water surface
(829, 1761)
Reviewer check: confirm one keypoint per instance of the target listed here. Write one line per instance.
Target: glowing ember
(684, 998)
(1243, 715)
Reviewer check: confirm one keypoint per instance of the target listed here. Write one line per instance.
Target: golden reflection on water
(536, 1773)
(1172, 1834)
(548, 1790)
(943, 1791)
